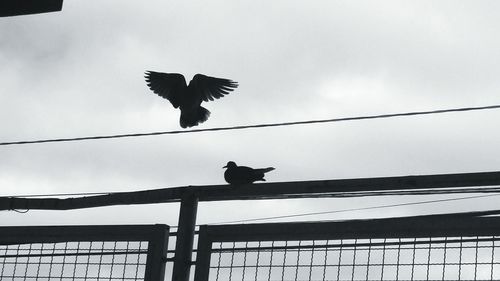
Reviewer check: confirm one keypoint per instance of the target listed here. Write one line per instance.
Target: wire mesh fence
(74, 261)
(458, 258)
(82, 253)
(383, 250)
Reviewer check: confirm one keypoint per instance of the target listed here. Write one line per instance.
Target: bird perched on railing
(242, 175)
(188, 98)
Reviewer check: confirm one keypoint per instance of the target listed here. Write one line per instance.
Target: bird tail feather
(203, 114)
(265, 170)
(190, 119)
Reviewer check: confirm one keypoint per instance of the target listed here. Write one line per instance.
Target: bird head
(230, 164)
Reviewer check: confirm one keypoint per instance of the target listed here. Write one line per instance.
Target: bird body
(188, 98)
(243, 175)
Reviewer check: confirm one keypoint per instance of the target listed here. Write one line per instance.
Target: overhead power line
(399, 185)
(414, 113)
(435, 191)
(291, 215)
(62, 194)
(355, 209)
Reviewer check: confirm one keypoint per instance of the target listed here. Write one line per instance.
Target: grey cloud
(79, 72)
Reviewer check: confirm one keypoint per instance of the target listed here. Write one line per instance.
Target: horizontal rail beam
(278, 190)
(447, 225)
(57, 234)
(26, 7)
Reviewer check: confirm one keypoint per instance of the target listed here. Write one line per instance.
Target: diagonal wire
(357, 209)
(253, 126)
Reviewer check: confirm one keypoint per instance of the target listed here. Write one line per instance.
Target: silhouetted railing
(415, 248)
(83, 253)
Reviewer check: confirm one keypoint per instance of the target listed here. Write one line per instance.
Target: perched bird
(188, 98)
(242, 175)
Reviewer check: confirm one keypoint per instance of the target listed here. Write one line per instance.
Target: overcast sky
(79, 72)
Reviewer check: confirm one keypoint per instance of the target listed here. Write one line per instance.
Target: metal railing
(419, 248)
(83, 252)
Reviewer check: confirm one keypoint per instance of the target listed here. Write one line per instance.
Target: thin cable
(21, 212)
(495, 189)
(357, 209)
(61, 194)
(342, 194)
(415, 192)
(254, 126)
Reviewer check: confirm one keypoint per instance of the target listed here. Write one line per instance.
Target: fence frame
(189, 196)
(156, 236)
(404, 227)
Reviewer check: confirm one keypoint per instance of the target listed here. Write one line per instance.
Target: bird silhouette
(242, 175)
(188, 98)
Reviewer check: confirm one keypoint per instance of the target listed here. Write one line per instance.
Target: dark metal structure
(185, 237)
(484, 182)
(27, 7)
(414, 248)
(352, 250)
(83, 252)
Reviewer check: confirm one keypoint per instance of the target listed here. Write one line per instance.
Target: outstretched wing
(210, 88)
(167, 85)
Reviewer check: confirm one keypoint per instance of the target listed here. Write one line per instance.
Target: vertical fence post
(203, 255)
(185, 237)
(157, 253)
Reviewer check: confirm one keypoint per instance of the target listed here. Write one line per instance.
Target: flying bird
(242, 175)
(188, 98)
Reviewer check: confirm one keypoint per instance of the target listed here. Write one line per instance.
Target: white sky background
(80, 72)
